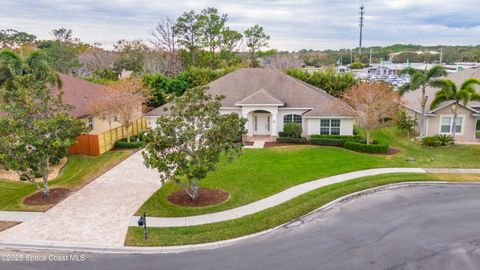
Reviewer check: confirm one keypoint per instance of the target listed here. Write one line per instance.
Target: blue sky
(292, 24)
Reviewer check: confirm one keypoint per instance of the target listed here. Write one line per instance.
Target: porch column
(245, 116)
(274, 125)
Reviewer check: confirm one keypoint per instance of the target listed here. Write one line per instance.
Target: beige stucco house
(439, 120)
(268, 99)
(104, 131)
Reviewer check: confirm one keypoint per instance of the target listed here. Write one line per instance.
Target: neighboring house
(268, 99)
(440, 119)
(103, 133)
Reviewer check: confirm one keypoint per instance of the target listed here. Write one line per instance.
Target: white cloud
(292, 25)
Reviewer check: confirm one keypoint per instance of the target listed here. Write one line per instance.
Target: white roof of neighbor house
(265, 86)
(412, 99)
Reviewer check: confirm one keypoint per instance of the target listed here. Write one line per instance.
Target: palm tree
(421, 80)
(11, 65)
(450, 92)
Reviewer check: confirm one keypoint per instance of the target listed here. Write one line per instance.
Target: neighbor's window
(447, 124)
(292, 118)
(90, 123)
(330, 126)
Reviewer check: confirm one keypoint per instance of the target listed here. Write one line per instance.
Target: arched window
(292, 118)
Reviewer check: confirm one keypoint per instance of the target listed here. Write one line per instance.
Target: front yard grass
(257, 174)
(274, 216)
(79, 171)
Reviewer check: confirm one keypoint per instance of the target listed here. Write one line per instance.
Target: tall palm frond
(436, 72)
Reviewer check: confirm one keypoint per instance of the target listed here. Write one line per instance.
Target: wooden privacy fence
(97, 144)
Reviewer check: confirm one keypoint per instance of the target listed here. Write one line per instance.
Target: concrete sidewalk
(18, 216)
(268, 202)
(97, 214)
(286, 195)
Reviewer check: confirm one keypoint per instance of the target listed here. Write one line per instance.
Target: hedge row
(366, 148)
(337, 137)
(134, 143)
(330, 142)
(291, 140)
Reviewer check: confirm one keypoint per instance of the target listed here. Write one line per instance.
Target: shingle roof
(244, 86)
(412, 99)
(80, 94)
(263, 97)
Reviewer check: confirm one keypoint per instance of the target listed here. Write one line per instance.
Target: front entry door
(261, 124)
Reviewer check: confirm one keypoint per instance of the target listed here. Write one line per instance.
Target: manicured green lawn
(274, 216)
(79, 171)
(261, 173)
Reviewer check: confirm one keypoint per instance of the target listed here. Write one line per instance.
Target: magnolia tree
(188, 143)
(122, 100)
(373, 103)
(36, 130)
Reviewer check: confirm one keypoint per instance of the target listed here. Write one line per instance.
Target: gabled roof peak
(261, 97)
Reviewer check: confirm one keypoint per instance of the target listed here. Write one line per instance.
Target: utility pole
(370, 62)
(362, 12)
(441, 55)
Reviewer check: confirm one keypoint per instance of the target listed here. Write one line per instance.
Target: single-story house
(103, 133)
(268, 99)
(440, 119)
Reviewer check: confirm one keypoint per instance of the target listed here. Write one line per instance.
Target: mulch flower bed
(277, 144)
(205, 197)
(56, 195)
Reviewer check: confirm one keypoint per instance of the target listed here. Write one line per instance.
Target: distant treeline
(397, 53)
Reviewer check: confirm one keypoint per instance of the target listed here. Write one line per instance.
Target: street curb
(59, 246)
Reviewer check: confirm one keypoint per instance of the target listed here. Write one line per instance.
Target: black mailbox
(141, 221)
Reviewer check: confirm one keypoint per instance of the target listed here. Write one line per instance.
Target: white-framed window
(90, 122)
(292, 118)
(330, 126)
(446, 124)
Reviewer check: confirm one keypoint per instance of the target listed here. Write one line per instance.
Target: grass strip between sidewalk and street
(275, 216)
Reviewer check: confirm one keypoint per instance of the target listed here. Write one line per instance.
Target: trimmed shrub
(291, 140)
(335, 140)
(356, 130)
(341, 137)
(282, 134)
(366, 148)
(445, 139)
(292, 130)
(135, 142)
(430, 141)
(330, 142)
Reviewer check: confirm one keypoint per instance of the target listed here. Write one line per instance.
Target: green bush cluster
(291, 130)
(135, 142)
(340, 137)
(334, 140)
(366, 148)
(291, 140)
(437, 140)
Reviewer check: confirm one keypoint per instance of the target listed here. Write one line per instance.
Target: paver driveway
(97, 214)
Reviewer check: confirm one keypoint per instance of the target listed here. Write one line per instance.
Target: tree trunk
(193, 56)
(454, 123)
(194, 190)
(253, 58)
(46, 190)
(128, 133)
(46, 172)
(368, 137)
(423, 103)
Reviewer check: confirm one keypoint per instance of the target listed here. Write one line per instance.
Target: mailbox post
(142, 221)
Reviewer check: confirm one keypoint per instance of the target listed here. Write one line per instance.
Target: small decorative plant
(445, 139)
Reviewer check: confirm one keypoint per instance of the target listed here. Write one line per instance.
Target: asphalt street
(428, 227)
